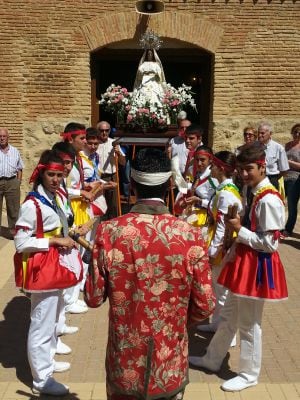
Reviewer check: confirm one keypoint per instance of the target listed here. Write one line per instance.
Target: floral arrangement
(134, 110)
(178, 99)
(116, 100)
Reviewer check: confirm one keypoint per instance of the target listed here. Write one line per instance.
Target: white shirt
(179, 148)
(10, 162)
(25, 241)
(225, 199)
(107, 157)
(205, 191)
(270, 216)
(276, 158)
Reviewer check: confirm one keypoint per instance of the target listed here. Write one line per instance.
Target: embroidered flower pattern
(158, 276)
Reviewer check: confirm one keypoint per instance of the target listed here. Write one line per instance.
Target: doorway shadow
(13, 338)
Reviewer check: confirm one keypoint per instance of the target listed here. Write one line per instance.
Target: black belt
(108, 175)
(5, 178)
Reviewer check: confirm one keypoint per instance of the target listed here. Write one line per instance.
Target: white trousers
(220, 293)
(42, 339)
(90, 238)
(244, 314)
(62, 313)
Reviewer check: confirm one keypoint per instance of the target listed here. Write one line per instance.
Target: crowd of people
(211, 265)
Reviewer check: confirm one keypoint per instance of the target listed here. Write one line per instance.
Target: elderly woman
(250, 135)
(292, 180)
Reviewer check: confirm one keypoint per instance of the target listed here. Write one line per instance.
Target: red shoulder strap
(256, 200)
(39, 219)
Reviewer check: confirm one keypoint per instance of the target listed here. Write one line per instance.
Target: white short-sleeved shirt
(276, 158)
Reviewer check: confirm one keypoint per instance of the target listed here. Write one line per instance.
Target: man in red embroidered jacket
(155, 270)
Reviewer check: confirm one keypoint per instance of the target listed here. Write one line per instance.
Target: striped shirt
(10, 162)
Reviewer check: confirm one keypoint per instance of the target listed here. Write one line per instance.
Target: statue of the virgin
(150, 82)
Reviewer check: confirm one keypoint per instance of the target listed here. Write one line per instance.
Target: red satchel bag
(41, 271)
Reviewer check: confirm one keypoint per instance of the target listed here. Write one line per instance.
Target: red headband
(65, 156)
(68, 135)
(203, 153)
(221, 164)
(261, 162)
(42, 167)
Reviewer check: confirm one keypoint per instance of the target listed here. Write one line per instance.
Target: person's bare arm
(19, 174)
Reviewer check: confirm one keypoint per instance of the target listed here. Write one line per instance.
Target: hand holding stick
(228, 235)
(80, 240)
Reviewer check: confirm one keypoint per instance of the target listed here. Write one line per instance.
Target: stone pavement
(280, 375)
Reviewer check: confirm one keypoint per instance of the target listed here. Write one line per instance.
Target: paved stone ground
(280, 375)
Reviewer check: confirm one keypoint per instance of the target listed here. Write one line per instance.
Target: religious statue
(153, 103)
(150, 82)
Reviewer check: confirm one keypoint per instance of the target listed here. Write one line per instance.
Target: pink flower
(159, 287)
(148, 270)
(182, 226)
(164, 352)
(130, 232)
(115, 255)
(129, 118)
(144, 243)
(118, 298)
(144, 327)
(135, 339)
(194, 254)
(130, 375)
(167, 329)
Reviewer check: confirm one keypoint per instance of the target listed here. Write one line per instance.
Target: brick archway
(186, 27)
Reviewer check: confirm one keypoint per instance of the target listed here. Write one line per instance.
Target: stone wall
(45, 54)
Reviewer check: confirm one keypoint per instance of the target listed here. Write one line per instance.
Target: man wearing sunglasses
(106, 152)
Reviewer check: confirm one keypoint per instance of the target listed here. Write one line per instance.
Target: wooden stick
(80, 240)
(118, 187)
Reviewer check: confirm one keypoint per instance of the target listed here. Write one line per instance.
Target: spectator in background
(106, 151)
(277, 163)
(250, 135)
(292, 180)
(11, 167)
(177, 145)
(193, 139)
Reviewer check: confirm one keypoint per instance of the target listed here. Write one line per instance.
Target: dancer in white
(46, 262)
(253, 273)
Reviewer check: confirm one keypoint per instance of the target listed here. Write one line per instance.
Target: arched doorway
(182, 62)
(196, 37)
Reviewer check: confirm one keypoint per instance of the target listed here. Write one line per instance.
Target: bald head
(3, 137)
(103, 128)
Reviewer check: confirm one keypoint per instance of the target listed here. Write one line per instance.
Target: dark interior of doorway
(190, 66)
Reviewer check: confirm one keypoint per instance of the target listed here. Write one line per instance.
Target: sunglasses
(103, 130)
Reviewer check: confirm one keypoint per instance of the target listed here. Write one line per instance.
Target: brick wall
(45, 53)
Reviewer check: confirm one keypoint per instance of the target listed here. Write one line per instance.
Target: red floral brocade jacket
(158, 278)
